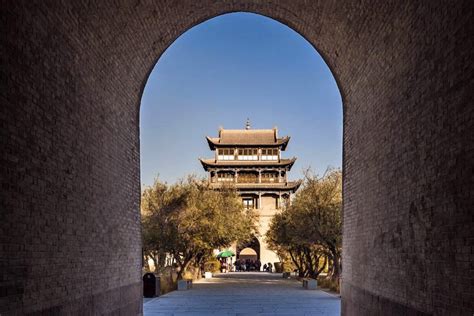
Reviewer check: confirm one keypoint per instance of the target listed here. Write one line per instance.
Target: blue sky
(228, 69)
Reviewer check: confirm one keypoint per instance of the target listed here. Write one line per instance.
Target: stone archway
(248, 253)
(72, 80)
(252, 244)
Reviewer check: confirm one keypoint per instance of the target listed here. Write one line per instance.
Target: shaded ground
(244, 293)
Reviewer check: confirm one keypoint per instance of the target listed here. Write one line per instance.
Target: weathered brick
(71, 80)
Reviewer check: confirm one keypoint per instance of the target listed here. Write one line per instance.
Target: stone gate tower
(251, 159)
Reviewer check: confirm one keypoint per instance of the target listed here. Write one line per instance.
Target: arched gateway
(248, 253)
(253, 244)
(71, 81)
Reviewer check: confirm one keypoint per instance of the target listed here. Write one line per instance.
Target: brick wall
(71, 79)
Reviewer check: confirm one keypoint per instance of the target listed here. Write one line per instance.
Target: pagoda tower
(251, 160)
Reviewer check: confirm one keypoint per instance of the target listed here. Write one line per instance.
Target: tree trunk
(298, 264)
(336, 264)
(155, 262)
(324, 264)
(309, 263)
(145, 263)
(183, 264)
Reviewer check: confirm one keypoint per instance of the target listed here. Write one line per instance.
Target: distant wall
(269, 202)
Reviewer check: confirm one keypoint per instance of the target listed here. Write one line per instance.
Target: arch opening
(260, 172)
(248, 253)
(251, 247)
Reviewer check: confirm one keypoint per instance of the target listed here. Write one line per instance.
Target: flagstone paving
(244, 293)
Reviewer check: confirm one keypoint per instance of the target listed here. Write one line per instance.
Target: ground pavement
(244, 293)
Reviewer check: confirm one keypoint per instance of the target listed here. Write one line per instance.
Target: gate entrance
(248, 253)
(252, 248)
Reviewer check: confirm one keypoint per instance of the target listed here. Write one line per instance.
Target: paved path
(244, 293)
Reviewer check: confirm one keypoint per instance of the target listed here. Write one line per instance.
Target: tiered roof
(251, 138)
(206, 163)
(248, 137)
(278, 186)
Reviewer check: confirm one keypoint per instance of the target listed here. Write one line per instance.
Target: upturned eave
(206, 163)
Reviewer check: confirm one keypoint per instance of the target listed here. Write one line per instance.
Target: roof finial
(247, 124)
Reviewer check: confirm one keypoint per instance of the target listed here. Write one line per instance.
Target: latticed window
(225, 154)
(247, 177)
(269, 177)
(225, 177)
(248, 203)
(269, 154)
(248, 154)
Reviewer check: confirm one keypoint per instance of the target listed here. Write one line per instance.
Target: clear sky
(228, 69)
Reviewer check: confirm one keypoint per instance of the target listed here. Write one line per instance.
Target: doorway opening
(249, 249)
(257, 83)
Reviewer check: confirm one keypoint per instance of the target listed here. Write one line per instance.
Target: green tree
(189, 220)
(288, 237)
(309, 231)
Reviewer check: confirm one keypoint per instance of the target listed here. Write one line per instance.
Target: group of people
(224, 265)
(247, 265)
(242, 265)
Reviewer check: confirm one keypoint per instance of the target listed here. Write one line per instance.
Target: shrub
(189, 275)
(328, 283)
(212, 265)
(168, 280)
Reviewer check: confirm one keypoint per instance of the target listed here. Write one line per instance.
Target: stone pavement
(244, 293)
